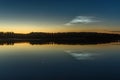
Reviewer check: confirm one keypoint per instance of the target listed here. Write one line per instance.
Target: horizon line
(109, 32)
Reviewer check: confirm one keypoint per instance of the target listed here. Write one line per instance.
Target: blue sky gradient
(59, 12)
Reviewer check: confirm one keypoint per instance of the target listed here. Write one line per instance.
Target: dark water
(60, 62)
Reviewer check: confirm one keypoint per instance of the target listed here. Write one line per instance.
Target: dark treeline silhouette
(58, 38)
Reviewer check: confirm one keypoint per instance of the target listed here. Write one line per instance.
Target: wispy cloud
(82, 20)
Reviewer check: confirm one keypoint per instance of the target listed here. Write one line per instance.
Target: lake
(23, 61)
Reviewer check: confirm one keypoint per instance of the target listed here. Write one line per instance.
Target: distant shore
(59, 38)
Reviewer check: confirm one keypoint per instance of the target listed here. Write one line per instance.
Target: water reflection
(60, 62)
(41, 42)
(82, 55)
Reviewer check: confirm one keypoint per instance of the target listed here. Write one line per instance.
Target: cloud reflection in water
(85, 55)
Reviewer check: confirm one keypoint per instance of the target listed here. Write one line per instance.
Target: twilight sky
(59, 15)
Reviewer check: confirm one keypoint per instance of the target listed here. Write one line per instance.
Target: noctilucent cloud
(59, 15)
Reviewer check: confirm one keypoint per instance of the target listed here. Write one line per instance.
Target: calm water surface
(60, 62)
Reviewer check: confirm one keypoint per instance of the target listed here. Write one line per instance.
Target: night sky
(59, 15)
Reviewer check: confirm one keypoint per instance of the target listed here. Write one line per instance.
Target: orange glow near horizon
(27, 28)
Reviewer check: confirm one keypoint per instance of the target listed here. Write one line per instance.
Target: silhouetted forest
(58, 38)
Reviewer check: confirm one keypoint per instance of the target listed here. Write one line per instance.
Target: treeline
(67, 35)
(59, 38)
(32, 35)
